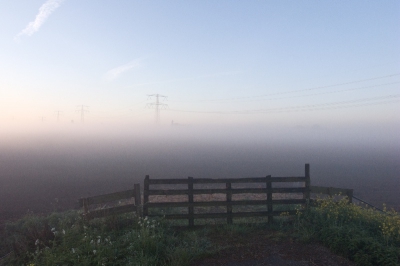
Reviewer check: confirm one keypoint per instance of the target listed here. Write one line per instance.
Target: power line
(295, 91)
(314, 107)
(128, 111)
(334, 85)
(328, 92)
(314, 94)
(333, 105)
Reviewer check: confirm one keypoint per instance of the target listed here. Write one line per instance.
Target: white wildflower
(94, 251)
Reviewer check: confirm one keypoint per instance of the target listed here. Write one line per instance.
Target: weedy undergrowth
(361, 234)
(66, 239)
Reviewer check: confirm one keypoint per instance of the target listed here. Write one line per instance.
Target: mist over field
(47, 169)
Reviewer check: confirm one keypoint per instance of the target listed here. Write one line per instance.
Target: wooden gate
(266, 187)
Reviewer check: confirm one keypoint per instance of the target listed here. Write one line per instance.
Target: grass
(365, 236)
(66, 239)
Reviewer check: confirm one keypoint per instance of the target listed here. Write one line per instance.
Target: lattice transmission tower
(59, 113)
(157, 105)
(82, 109)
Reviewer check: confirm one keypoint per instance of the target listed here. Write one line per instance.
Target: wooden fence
(266, 187)
(228, 191)
(107, 199)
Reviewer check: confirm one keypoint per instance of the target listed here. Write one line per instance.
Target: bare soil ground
(266, 247)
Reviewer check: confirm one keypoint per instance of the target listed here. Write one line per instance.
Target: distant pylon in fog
(157, 105)
(82, 110)
(58, 115)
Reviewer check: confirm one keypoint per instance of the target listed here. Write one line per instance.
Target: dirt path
(269, 248)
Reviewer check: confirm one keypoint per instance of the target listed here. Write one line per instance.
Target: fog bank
(50, 169)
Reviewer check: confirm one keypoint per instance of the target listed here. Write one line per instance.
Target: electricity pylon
(82, 110)
(58, 115)
(157, 105)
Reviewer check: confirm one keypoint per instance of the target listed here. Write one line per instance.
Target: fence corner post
(138, 200)
(146, 196)
(269, 200)
(307, 184)
(190, 199)
(350, 195)
(229, 200)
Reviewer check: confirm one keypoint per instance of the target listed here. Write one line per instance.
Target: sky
(286, 64)
(243, 88)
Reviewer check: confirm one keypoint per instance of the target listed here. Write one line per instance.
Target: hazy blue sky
(292, 63)
(263, 87)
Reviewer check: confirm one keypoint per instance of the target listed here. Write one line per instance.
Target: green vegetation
(66, 239)
(362, 235)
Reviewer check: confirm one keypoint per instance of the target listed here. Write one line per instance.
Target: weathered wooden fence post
(190, 198)
(146, 196)
(229, 200)
(138, 199)
(85, 208)
(349, 195)
(269, 199)
(307, 185)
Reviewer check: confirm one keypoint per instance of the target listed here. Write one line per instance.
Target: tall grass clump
(67, 239)
(363, 235)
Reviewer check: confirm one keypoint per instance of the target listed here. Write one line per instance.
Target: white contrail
(44, 12)
(116, 72)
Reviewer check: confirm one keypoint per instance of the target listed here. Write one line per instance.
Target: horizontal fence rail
(227, 192)
(223, 191)
(107, 198)
(227, 180)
